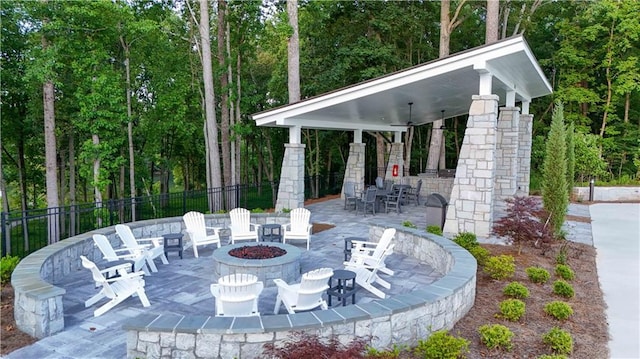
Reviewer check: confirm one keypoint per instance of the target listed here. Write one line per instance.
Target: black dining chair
(367, 202)
(394, 199)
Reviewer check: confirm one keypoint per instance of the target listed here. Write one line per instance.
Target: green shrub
(257, 210)
(512, 309)
(559, 341)
(442, 345)
(495, 336)
(563, 288)
(552, 356)
(481, 254)
(500, 267)
(7, 265)
(466, 240)
(538, 275)
(409, 224)
(558, 309)
(564, 271)
(516, 290)
(435, 230)
(394, 353)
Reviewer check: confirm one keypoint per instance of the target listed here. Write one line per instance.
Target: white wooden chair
(367, 254)
(237, 295)
(151, 250)
(115, 289)
(305, 295)
(367, 275)
(241, 226)
(197, 230)
(299, 227)
(111, 255)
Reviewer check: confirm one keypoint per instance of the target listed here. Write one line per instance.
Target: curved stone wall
(38, 306)
(399, 319)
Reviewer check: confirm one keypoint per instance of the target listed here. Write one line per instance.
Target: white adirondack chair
(368, 253)
(299, 227)
(305, 295)
(241, 226)
(151, 251)
(237, 295)
(115, 289)
(197, 229)
(367, 275)
(111, 255)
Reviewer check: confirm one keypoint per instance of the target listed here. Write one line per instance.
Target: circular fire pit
(286, 267)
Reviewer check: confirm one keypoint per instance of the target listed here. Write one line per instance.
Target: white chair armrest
(216, 230)
(364, 243)
(254, 225)
(286, 227)
(156, 241)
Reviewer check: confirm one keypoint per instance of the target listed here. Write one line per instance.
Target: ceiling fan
(409, 123)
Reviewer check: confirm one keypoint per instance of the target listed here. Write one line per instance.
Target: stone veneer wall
(524, 154)
(470, 208)
(439, 185)
(291, 188)
(399, 319)
(38, 306)
(396, 157)
(354, 170)
(506, 165)
(606, 194)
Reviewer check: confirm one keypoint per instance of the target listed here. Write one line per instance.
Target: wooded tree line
(110, 96)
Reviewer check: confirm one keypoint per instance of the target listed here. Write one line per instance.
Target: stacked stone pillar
(470, 208)
(396, 157)
(507, 137)
(291, 189)
(354, 172)
(524, 154)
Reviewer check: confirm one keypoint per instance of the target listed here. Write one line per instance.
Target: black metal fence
(24, 232)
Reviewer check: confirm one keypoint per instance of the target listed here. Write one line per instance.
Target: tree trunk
(97, 193)
(492, 22)
(51, 159)
(132, 177)
(293, 53)
(627, 105)
(609, 82)
(211, 130)
(72, 184)
(224, 97)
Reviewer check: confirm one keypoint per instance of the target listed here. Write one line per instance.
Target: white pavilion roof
(444, 84)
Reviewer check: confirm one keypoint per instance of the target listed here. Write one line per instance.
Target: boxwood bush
(500, 267)
(537, 274)
(558, 309)
(516, 290)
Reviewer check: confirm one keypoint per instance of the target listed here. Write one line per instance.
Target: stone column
(396, 157)
(525, 131)
(507, 138)
(291, 188)
(354, 172)
(470, 208)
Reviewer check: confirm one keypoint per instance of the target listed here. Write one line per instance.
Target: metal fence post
(6, 246)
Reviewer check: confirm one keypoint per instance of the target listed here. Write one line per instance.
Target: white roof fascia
(342, 126)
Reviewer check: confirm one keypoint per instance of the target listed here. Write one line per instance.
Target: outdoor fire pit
(285, 267)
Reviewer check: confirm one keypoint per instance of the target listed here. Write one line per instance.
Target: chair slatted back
(313, 284)
(102, 242)
(300, 218)
(98, 277)
(384, 242)
(238, 285)
(194, 222)
(240, 219)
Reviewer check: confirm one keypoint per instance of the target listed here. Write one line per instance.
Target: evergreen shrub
(442, 345)
(434, 230)
(466, 240)
(409, 224)
(500, 267)
(562, 288)
(560, 341)
(558, 309)
(512, 309)
(564, 271)
(7, 265)
(495, 336)
(516, 290)
(481, 254)
(538, 275)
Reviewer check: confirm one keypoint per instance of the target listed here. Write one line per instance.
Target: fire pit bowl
(286, 267)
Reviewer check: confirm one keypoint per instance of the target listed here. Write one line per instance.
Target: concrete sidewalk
(616, 236)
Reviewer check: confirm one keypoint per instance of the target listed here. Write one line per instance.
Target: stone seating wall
(399, 319)
(38, 306)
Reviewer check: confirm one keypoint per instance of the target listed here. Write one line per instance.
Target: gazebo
(486, 83)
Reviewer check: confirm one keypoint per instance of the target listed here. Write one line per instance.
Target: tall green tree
(554, 188)
(571, 158)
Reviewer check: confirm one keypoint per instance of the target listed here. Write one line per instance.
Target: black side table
(271, 232)
(173, 242)
(342, 284)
